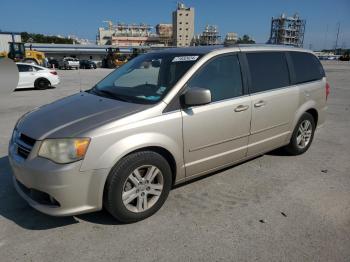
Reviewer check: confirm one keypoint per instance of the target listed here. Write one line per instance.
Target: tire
(119, 182)
(42, 84)
(302, 136)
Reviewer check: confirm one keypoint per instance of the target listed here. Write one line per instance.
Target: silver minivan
(164, 118)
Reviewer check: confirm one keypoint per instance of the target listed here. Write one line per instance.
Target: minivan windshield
(147, 78)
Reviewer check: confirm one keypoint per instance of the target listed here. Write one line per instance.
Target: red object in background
(328, 90)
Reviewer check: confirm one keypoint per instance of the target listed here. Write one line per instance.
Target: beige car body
(196, 140)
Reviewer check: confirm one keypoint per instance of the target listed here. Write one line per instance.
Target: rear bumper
(71, 191)
(55, 81)
(322, 116)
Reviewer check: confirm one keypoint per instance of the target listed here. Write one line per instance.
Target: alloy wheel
(304, 134)
(142, 188)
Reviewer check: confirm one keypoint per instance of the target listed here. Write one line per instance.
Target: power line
(336, 41)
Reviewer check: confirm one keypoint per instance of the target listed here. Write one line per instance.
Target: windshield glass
(145, 79)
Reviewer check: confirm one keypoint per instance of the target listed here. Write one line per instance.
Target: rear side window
(268, 70)
(25, 68)
(222, 76)
(306, 67)
(37, 68)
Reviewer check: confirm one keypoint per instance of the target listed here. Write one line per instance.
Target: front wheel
(302, 136)
(137, 186)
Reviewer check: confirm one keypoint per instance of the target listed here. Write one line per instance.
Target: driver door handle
(241, 108)
(260, 103)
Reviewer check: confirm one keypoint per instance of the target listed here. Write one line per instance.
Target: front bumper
(72, 191)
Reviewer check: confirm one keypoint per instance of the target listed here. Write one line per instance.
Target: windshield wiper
(110, 94)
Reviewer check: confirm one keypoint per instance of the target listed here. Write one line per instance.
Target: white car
(68, 63)
(36, 76)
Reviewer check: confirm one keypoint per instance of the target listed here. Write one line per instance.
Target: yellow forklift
(18, 53)
(114, 58)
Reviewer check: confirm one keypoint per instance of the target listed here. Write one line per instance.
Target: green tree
(44, 39)
(245, 39)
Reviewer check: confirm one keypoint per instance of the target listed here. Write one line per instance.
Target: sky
(252, 17)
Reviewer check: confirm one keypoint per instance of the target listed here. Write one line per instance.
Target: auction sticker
(185, 58)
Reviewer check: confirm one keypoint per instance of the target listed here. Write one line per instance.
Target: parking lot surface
(273, 208)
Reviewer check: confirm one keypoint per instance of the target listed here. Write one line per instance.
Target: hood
(73, 115)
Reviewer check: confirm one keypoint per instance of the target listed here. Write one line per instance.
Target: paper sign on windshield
(185, 58)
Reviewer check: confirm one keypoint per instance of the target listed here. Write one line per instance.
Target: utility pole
(336, 41)
(325, 39)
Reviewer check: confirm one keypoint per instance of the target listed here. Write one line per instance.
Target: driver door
(216, 135)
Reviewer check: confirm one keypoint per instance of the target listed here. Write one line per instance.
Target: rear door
(216, 134)
(274, 100)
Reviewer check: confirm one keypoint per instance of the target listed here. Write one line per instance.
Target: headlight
(64, 150)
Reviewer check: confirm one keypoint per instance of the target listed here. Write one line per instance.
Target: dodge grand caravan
(164, 118)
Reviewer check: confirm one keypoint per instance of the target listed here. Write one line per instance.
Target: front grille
(24, 145)
(28, 140)
(23, 152)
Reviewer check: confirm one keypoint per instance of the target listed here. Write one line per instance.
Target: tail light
(328, 90)
(53, 72)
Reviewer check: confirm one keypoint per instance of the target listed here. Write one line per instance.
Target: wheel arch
(158, 149)
(308, 107)
(164, 153)
(314, 113)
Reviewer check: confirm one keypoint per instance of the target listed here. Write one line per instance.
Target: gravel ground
(273, 208)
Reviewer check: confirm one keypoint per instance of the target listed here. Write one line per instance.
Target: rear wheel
(42, 84)
(303, 135)
(137, 186)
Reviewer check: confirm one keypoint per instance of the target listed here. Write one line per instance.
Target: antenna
(79, 73)
(80, 89)
(325, 38)
(336, 41)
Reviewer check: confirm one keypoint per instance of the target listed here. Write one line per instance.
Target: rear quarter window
(306, 67)
(37, 68)
(25, 68)
(268, 70)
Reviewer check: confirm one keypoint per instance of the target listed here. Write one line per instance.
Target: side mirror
(196, 97)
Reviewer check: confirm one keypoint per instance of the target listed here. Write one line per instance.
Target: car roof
(243, 47)
(189, 50)
(20, 63)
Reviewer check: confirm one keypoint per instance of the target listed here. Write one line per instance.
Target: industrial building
(179, 33)
(6, 37)
(123, 34)
(210, 36)
(183, 25)
(287, 30)
(134, 35)
(165, 33)
(231, 38)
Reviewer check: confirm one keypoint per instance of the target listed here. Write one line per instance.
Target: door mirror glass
(196, 96)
